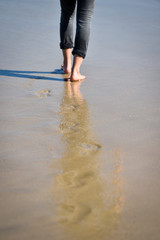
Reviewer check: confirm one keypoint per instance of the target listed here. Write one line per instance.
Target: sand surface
(80, 160)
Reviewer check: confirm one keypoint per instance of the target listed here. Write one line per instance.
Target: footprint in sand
(89, 148)
(85, 178)
(72, 179)
(74, 213)
(66, 179)
(44, 93)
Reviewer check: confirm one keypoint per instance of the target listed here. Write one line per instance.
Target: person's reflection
(88, 206)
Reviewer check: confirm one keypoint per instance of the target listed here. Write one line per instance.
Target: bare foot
(77, 77)
(66, 70)
(75, 74)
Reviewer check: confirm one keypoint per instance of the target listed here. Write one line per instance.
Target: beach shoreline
(80, 160)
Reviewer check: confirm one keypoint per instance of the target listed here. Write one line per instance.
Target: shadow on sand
(31, 74)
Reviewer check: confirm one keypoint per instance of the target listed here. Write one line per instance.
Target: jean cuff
(79, 53)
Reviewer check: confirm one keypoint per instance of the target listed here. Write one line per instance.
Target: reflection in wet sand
(88, 206)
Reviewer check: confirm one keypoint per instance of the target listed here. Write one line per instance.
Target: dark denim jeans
(83, 21)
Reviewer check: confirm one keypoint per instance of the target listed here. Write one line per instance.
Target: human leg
(66, 67)
(66, 32)
(84, 15)
(83, 22)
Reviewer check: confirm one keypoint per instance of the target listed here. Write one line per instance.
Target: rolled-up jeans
(83, 21)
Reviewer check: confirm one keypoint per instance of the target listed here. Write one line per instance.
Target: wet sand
(80, 160)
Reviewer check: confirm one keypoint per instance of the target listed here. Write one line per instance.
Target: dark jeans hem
(64, 46)
(79, 53)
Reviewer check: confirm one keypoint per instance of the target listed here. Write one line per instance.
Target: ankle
(67, 60)
(74, 74)
(68, 69)
(75, 70)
